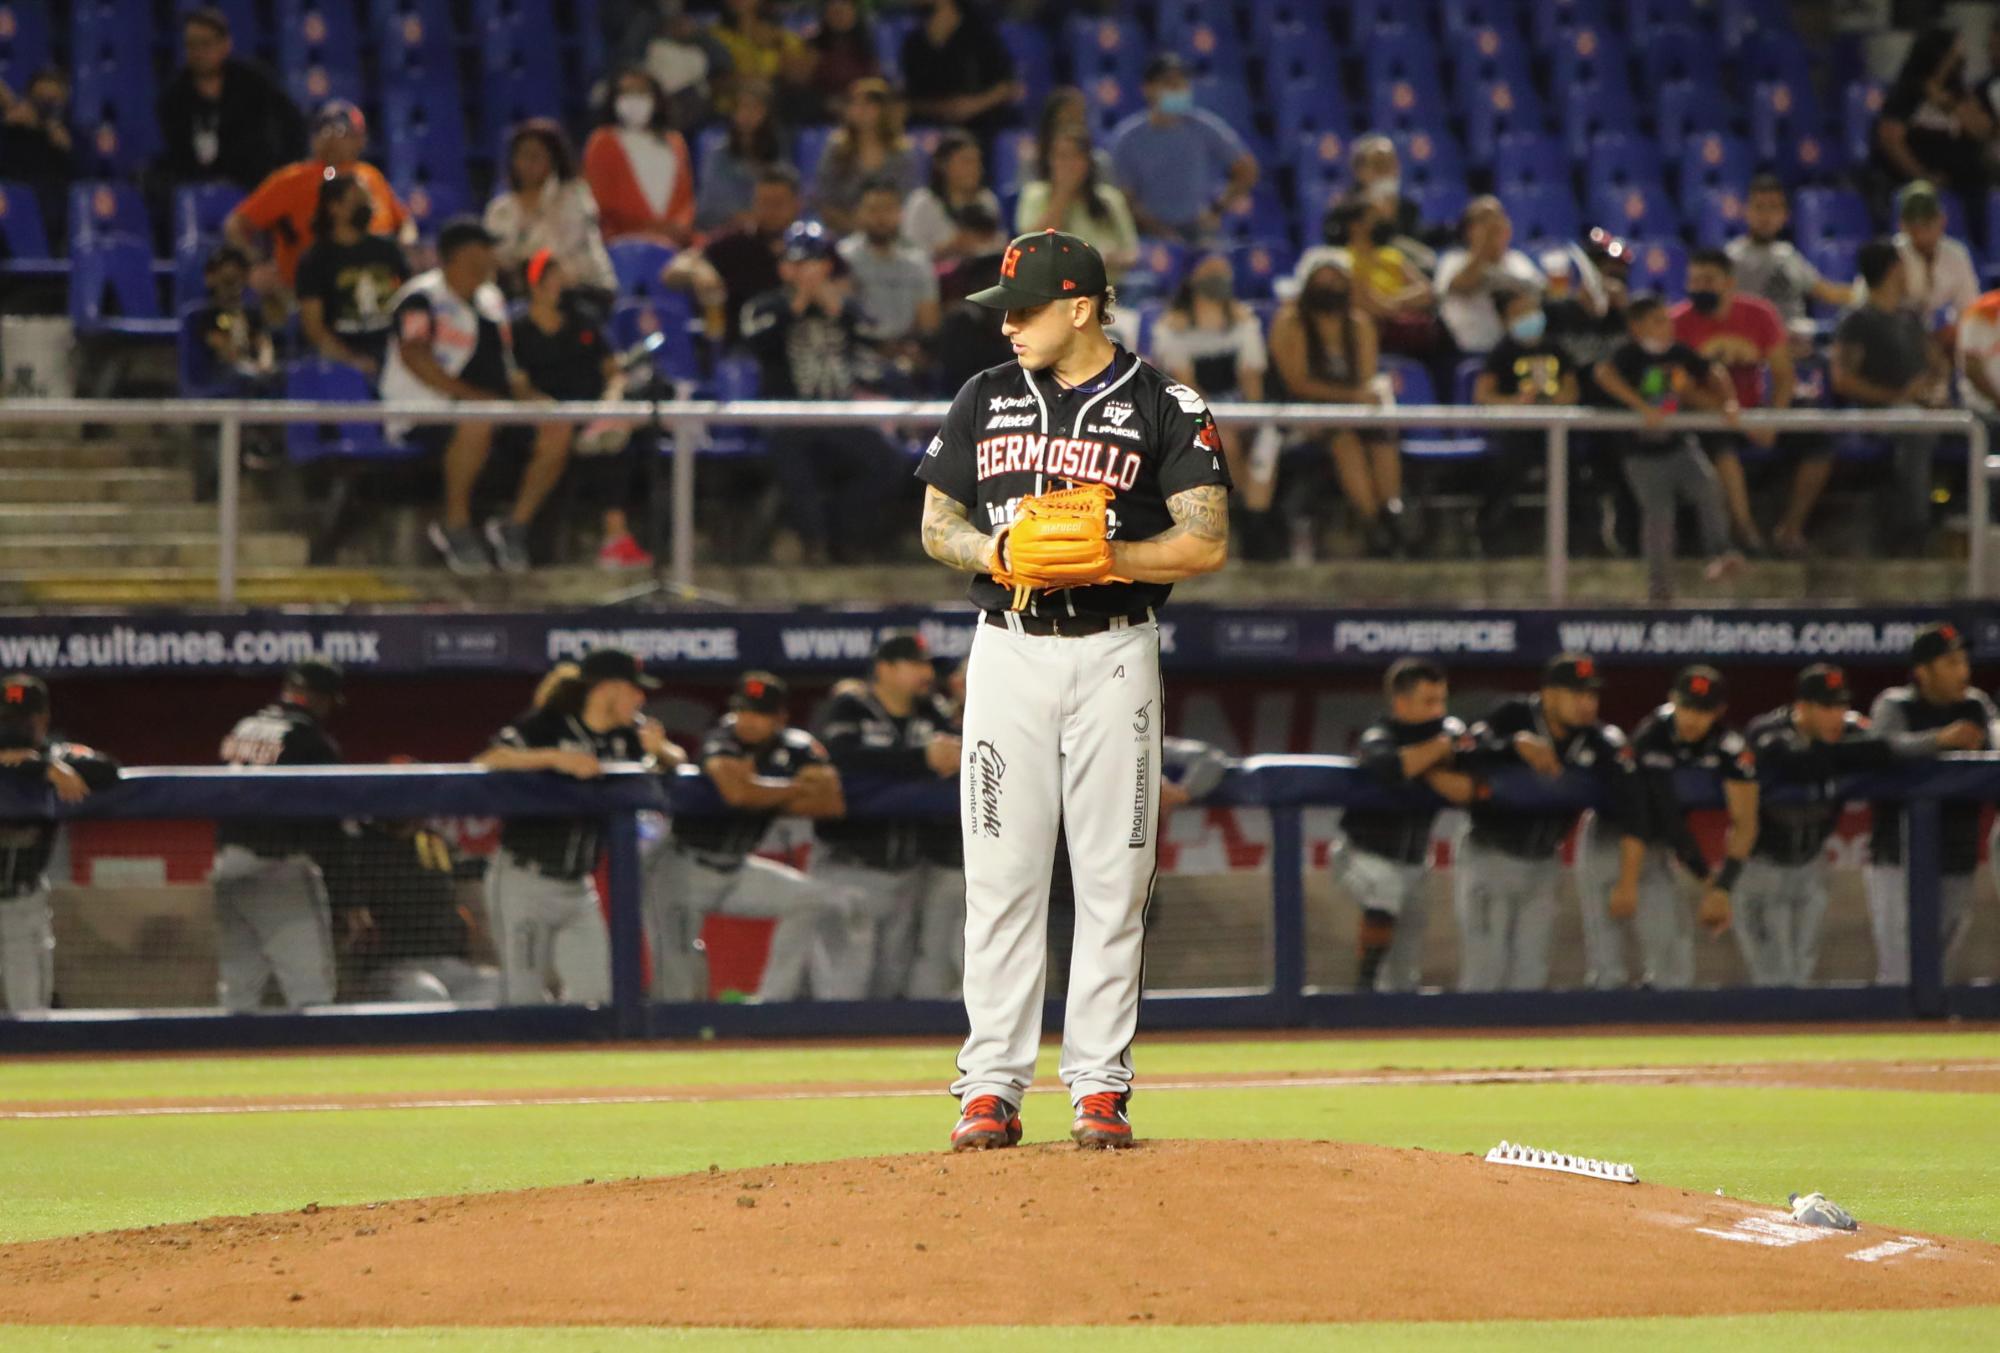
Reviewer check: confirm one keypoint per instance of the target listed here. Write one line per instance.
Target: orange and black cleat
(1101, 1124)
(986, 1123)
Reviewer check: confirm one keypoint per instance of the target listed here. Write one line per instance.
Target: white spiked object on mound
(1515, 1153)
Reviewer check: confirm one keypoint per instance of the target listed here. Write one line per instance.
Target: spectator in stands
(1180, 165)
(894, 282)
(1067, 109)
(1933, 127)
(843, 51)
(1655, 376)
(866, 148)
(284, 204)
(1070, 195)
(1208, 339)
(1884, 359)
(955, 216)
(729, 173)
(1939, 278)
(1324, 350)
(761, 49)
(546, 206)
(638, 167)
(958, 72)
(1468, 275)
(561, 349)
(1391, 288)
(837, 482)
(1744, 335)
(1773, 268)
(1979, 354)
(347, 278)
(1375, 173)
(741, 263)
(1526, 369)
(36, 147)
(222, 117)
(683, 58)
(1585, 299)
(452, 344)
(240, 360)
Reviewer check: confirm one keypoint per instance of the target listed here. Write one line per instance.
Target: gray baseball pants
(1889, 918)
(1506, 918)
(27, 950)
(1777, 911)
(682, 892)
(904, 937)
(1604, 935)
(550, 935)
(1383, 884)
(272, 920)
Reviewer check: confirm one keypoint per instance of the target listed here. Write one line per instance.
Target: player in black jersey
(1939, 711)
(1382, 855)
(29, 754)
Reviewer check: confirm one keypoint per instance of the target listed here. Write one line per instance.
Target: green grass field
(1908, 1158)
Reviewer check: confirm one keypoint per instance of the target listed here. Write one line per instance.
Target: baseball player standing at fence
(1686, 733)
(1939, 711)
(1505, 875)
(541, 886)
(892, 731)
(272, 914)
(762, 770)
(1063, 704)
(1382, 855)
(31, 757)
(1780, 899)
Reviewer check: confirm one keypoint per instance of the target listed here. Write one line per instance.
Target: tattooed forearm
(951, 538)
(1197, 542)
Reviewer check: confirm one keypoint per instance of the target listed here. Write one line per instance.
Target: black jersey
(27, 843)
(724, 839)
(1400, 834)
(1534, 833)
(1902, 716)
(1792, 834)
(281, 734)
(405, 876)
(1657, 753)
(1013, 433)
(867, 741)
(562, 847)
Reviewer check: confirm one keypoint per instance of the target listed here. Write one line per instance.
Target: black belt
(547, 871)
(1064, 626)
(720, 861)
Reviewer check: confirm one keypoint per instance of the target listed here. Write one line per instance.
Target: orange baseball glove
(1058, 539)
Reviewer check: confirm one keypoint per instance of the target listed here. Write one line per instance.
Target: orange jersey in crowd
(283, 207)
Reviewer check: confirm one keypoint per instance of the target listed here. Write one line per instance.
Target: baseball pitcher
(1077, 484)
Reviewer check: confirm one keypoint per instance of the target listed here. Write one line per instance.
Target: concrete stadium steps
(257, 549)
(52, 453)
(126, 484)
(195, 587)
(17, 519)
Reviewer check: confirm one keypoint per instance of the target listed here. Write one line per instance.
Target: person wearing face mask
(545, 206)
(1526, 369)
(1468, 275)
(894, 283)
(1325, 351)
(753, 142)
(1213, 342)
(1069, 195)
(1375, 173)
(347, 278)
(282, 208)
(1655, 376)
(1745, 336)
(637, 166)
(1386, 283)
(1932, 126)
(1180, 165)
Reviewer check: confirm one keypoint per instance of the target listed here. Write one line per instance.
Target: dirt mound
(1176, 1232)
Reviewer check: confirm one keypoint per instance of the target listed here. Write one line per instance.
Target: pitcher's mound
(1175, 1232)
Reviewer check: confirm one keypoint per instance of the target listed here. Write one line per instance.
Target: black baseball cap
(316, 675)
(1044, 266)
(1701, 687)
(903, 646)
(1824, 684)
(1573, 672)
(1934, 641)
(460, 231)
(23, 696)
(807, 240)
(614, 664)
(760, 693)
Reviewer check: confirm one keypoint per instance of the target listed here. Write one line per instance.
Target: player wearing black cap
(1505, 876)
(541, 886)
(1381, 858)
(1780, 898)
(762, 770)
(892, 730)
(1686, 733)
(273, 917)
(30, 756)
(1939, 711)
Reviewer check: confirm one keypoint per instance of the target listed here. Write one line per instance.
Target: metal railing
(688, 422)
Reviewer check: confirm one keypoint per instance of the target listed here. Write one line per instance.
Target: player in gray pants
(1606, 938)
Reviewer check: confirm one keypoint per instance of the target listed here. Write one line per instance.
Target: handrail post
(1288, 913)
(1557, 524)
(1978, 496)
(623, 872)
(689, 436)
(228, 505)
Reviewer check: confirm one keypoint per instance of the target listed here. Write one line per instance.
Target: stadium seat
(1429, 155)
(311, 86)
(809, 148)
(1550, 20)
(1013, 162)
(1835, 258)
(100, 208)
(735, 378)
(1411, 381)
(1407, 106)
(1714, 160)
(1623, 157)
(432, 202)
(1660, 265)
(1774, 53)
(1157, 271)
(112, 32)
(1468, 16)
(1820, 214)
(1301, 53)
(1521, 159)
(1365, 18)
(1443, 200)
(1675, 55)
(1310, 106)
(669, 315)
(1682, 109)
(116, 125)
(1861, 105)
(192, 361)
(1490, 53)
(416, 45)
(24, 41)
(1104, 46)
(1544, 212)
(420, 130)
(1634, 209)
(25, 236)
(1319, 158)
(317, 32)
(1259, 264)
(1112, 100)
(190, 281)
(1779, 120)
(1589, 110)
(890, 30)
(1228, 98)
(1649, 16)
(1263, 17)
(1400, 52)
(112, 291)
(321, 381)
(200, 208)
(1718, 216)
(1034, 66)
(1202, 33)
(1590, 53)
(1500, 108)
(637, 265)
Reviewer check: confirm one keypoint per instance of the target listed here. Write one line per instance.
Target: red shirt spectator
(638, 168)
(1741, 332)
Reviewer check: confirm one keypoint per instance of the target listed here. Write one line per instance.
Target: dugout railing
(1283, 786)
(688, 424)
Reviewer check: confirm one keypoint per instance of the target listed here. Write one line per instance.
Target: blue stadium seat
(1501, 108)
(433, 201)
(1406, 106)
(1544, 212)
(1411, 380)
(1428, 156)
(117, 32)
(1820, 214)
(112, 291)
(1521, 159)
(1549, 20)
(311, 86)
(809, 148)
(1774, 54)
(1259, 264)
(1778, 115)
(890, 30)
(670, 315)
(1301, 54)
(190, 283)
(1860, 107)
(24, 41)
(112, 114)
(1202, 32)
(1229, 99)
(318, 32)
(1834, 258)
(321, 381)
(1676, 55)
(1682, 109)
(513, 96)
(1262, 17)
(1812, 157)
(1635, 209)
(1443, 200)
(1365, 18)
(100, 208)
(1465, 16)
(1262, 216)
(1157, 271)
(1490, 53)
(1034, 64)
(1660, 265)
(1718, 216)
(1309, 107)
(1589, 52)
(1715, 160)
(417, 42)
(1104, 46)
(1013, 162)
(200, 208)
(637, 264)
(1649, 16)
(1320, 158)
(24, 235)
(734, 379)
(1623, 157)
(1591, 109)
(1394, 52)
